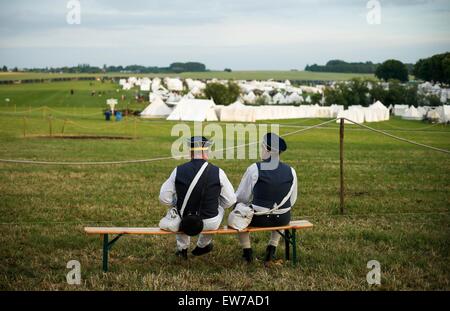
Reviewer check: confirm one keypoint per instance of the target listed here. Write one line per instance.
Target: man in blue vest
(212, 194)
(263, 185)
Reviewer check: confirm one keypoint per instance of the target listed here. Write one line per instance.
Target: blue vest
(210, 204)
(272, 186)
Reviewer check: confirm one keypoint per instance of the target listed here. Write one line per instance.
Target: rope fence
(36, 162)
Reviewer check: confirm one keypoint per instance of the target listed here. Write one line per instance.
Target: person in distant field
(217, 196)
(264, 184)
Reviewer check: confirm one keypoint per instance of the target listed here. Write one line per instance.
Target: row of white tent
(271, 86)
(285, 93)
(190, 109)
(427, 88)
(374, 113)
(156, 85)
(277, 99)
(439, 114)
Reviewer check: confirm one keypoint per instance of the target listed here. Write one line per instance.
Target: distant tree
(5, 69)
(377, 92)
(436, 68)
(335, 96)
(433, 100)
(187, 67)
(396, 94)
(15, 69)
(316, 98)
(337, 65)
(392, 69)
(228, 70)
(222, 94)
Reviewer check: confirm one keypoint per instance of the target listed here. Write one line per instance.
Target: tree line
(341, 66)
(86, 68)
(365, 92)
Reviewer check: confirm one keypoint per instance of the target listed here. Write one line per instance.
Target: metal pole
(105, 253)
(294, 247)
(286, 243)
(341, 164)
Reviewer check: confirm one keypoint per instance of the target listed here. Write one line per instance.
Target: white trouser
(244, 238)
(183, 240)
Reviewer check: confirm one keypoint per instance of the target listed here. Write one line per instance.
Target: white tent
(237, 112)
(127, 86)
(412, 113)
(175, 84)
(294, 98)
(279, 99)
(436, 115)
(380, 111)
(267, 98)
(250, 98)
(156, 83)
(194, 110)
(354, 113)
(399, 110)
(156, 109)
(145, 87)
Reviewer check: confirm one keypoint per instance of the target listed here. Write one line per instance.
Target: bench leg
(286, 244)
(294, 247)
(105, 252)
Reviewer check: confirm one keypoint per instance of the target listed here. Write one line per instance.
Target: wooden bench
(289, 235)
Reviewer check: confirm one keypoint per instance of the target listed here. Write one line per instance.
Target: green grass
(237, 75)
(397, 203)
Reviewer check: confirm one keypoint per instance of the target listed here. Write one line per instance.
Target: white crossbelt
(260, 209)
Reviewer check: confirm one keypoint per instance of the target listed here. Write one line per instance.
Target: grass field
(236, 75)
(397, 203)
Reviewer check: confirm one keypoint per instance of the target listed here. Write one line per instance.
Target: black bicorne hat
(199, 143)
(272, 141)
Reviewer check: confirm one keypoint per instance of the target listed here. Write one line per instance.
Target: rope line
(224, 149)
(414, 129)
(399, 138)
(143, 160)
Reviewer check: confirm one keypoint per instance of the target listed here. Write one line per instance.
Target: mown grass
(397, 204)
(237, 75)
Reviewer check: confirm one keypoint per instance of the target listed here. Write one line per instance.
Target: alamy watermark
(74, 275)
(373, 277)
(73, 16)
(231, 141)
(373, 16)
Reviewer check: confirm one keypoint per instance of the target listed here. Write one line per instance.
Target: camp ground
(94, 173)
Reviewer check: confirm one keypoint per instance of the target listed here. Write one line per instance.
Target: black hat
(272, 141)
(199, 143)
(191, 224)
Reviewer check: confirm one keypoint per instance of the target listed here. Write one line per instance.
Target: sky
(237, 34)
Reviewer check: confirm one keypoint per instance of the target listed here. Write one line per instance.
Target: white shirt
(168, 193)
(244, 193)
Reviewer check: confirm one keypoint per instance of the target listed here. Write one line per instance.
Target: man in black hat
(212, 194)
(264, 186)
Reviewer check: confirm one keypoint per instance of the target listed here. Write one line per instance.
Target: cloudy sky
(240, 34)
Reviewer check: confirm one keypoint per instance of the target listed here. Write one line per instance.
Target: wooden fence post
(24, 127)
(341, 164)
(63, 127)
(50, 125)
